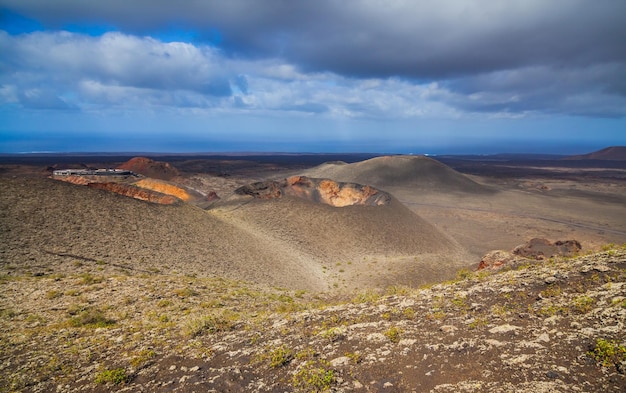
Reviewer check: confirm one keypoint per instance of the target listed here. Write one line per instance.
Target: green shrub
(88, 279)
(53, 294)
(210, 324)
(314, 377)
(608, 352)
(464, 274)
(116, 376)
(93, 318)
(583, 304)
(280, 356)
(393, 334)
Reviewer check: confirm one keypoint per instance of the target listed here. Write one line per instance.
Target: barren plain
(271, 290)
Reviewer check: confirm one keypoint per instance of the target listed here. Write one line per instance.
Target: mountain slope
(288, 242)
(46, 220)
(418, 172)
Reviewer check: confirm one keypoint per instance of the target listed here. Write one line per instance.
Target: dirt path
(303, 268)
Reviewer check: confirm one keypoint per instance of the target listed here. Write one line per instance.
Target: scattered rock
(552, 374)
(448, 329)
(503, 329)
(340, 361)
(550, 280)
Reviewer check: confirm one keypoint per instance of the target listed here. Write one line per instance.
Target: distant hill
(613, 153)
(150, 168)
(420, 172)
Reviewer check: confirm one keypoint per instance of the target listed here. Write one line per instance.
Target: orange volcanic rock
(495, 260)
(329, 192)
(136, 192)
(80, 180)
(164, 188)
(150, 168)
(346, 194)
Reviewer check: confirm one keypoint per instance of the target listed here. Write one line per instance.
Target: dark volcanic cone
(417, 172)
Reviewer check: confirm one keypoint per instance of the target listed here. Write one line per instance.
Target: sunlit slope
(286, 242)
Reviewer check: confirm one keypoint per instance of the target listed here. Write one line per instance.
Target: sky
(394, 76)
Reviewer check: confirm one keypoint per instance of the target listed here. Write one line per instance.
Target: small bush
(88, 279)
(164, 303)
(185, 292)
(366, 297)
(551, 291)
(583, 304)
(276, 356)
(464, 274)
(408, 313)
(354, 356)
(143, 357)
(393, 334)
(333, 334)
(209, 324)
(116, 376)
(280, 356)
(91, 318)
(314, 377)
(608, 352)
(53, 294)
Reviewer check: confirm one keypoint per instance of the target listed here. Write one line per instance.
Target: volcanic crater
(326, 191)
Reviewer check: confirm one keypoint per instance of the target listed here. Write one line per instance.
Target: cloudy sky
(421, 76)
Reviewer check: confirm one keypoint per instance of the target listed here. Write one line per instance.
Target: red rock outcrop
(150, 168)
(136, 192)
(494, 260)
(542, 248)
(329, 192)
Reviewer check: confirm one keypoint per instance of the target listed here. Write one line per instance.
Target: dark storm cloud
(591, 91)
(557, 56)
(419, 39)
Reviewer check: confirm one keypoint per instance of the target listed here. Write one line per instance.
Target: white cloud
(119, 70)
(62, 70)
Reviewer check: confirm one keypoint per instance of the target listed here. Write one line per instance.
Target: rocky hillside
(547, 326)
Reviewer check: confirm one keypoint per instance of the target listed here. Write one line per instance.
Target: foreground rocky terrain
(327, 285)
(555, 325)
